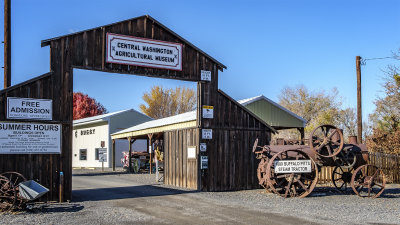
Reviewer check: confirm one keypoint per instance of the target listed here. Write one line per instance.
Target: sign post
(292, 166)
(29, 108)
(136, 51)
(203, 147)
(208, 112)
(205, 75)
(203, 162)
(102, 157)
(30, 138)
(206, 133)
(191, 152)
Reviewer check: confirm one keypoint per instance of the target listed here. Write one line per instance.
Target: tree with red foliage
(85, 106)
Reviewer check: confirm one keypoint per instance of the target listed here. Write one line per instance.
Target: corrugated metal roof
(180, 121)
(249, 100)
(180, 118)
(262, 97)
(247, 110)
(102, 117)
(152, 130)
(47, 41)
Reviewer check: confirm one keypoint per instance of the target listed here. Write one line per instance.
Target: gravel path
(330, 208)
(138, 199)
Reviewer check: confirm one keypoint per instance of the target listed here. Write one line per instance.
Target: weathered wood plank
(185, 145)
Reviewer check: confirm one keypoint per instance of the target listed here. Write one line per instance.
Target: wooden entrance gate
(88, 50)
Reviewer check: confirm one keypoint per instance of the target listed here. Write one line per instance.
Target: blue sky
(266, 45)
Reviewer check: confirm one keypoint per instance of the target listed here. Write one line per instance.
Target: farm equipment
(16, 191)
(292, 170)
(139, 161)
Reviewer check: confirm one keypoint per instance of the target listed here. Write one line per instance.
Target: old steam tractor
(292, 170)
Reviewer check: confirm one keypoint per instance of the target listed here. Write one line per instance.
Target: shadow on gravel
(56, 208)
(328, 191)
(98, 174)
(142, 191)
(331, 191)
(391, 193)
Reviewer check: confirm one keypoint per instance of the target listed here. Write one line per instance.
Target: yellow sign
(208, 111)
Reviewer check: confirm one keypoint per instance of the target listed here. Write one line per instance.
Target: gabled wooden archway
(231, 163)
(87, 50)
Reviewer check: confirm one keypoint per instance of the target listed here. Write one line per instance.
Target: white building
(93, 133)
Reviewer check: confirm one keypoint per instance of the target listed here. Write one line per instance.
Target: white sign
(203, 147)
(191, 154)
(136, 51)
(29, 108)
(103, 157)
(102, 150)
(205, 75)
(208, 111)
(292, 166)
(204, 162)
(102, 154)
(30, 138)
(206, 133)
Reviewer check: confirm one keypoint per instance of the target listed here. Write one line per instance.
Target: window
(82, 154)
(99, 151)
(96, 152)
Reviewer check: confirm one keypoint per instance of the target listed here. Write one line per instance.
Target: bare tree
(348, 122)
(386, 118)
(387, 112)
(315, 107)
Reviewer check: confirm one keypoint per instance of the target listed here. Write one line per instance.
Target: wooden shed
(179, 169)
(111, 48)
(231, 163)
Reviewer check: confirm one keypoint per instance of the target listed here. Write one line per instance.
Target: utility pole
(359, 111)
(7, 43)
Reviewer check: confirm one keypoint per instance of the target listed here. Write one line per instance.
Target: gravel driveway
(138, 199)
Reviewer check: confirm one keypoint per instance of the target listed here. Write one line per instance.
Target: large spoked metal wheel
(8, 194)
(291, 184)
(262, 173)
(368, 181)
(16, 178)
(326, 141)
(341, 178)
(346, 159)
(255, 145)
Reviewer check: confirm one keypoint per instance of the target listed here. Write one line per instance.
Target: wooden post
(301, 130)
(131, 142)
(359, 110)
(61, 188)
(150, 136)
(130, 155)
(155, 158)
(7, 43)
(113, 154)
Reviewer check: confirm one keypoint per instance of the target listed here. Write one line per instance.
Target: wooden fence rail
(389, 163)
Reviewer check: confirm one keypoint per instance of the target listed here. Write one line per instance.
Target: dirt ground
(120, 198)
(165, 205)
